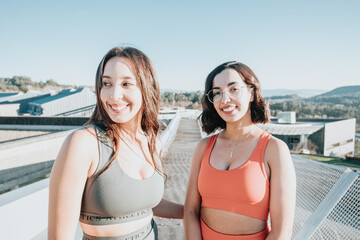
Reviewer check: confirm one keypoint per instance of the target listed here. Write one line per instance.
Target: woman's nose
(225, 96)
(117, 92)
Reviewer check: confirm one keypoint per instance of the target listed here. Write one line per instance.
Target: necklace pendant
(231, 154)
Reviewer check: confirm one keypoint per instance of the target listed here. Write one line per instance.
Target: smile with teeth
(229, 109)
(118, 108)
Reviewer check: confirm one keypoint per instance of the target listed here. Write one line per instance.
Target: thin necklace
(232, 151)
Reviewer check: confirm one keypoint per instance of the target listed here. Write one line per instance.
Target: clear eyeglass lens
(215, 95)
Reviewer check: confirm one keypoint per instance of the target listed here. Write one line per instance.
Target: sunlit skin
(121, 97)
(120, 93)
(79, 157)
(232, 109)
(241, 132)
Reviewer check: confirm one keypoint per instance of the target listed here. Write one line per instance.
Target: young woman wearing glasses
(242, 174)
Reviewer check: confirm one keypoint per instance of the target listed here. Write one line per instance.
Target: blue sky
(288, 44)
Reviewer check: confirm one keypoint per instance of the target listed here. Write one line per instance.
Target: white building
(333, 137)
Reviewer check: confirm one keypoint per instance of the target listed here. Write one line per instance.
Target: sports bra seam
(135, 179)
(230, 200)
(92, 213)
(98, 215)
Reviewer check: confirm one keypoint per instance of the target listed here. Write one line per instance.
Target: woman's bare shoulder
(82, 140)
(200, 149)
(277, 151)
(86, 133)
(203, 142)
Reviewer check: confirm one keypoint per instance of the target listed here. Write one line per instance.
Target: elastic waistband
(210, 234)
(99, 220)
(141, 234)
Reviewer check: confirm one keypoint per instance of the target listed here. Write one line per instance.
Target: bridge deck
(177, 165)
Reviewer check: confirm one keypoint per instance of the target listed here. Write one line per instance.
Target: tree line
(22, 83)
(341, 106)
(186, 99)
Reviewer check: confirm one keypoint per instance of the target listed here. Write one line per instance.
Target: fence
(327, 203)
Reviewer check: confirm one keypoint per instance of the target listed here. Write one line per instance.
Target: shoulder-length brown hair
(259, 109)
(144, 72)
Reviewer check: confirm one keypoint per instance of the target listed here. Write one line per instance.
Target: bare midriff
(231, 223)
(118, 229)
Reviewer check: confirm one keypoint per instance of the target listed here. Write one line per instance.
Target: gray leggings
(149, 232)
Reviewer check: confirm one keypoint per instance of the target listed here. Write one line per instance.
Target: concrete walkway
(177, 165)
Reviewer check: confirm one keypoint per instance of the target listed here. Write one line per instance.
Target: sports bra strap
(105, 148)
(264, 139)
(209, 146)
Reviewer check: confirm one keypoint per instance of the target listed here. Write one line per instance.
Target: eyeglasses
(234, 91)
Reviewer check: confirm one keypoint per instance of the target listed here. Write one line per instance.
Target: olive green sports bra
(114, 197)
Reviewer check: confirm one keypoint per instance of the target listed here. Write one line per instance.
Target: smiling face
(120, 93)
(232, 96)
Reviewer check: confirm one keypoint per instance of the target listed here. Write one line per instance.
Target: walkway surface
(177, 165)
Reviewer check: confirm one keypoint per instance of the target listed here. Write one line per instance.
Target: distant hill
(305, 93)
(169, 90)
(347, 90)
(282, 98)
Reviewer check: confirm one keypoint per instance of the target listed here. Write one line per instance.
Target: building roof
(61, 94)
(20, 97)
(5, 97)
(291, 129)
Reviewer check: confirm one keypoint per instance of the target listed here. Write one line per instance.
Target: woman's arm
(282, 189)
(67, 181)
(168, 209)
(193, 199)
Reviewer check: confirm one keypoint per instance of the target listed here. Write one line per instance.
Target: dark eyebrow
(124, 78)
(229, 84)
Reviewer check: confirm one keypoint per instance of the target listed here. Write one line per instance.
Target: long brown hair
(144, 72)
(259, 108)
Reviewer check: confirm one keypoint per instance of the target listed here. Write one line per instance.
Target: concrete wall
(9, 109)
(32, 150)
(24, 211)
(15, 177)
(318, 139)
(339, 138)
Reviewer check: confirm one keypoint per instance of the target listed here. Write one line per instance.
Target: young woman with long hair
(108, 175)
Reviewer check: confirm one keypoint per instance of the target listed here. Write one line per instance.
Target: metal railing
(327, 202)
(168, 136)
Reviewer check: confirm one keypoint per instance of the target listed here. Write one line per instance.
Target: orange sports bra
(244, 190)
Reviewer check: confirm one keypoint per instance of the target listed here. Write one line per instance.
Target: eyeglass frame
(222, 92)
